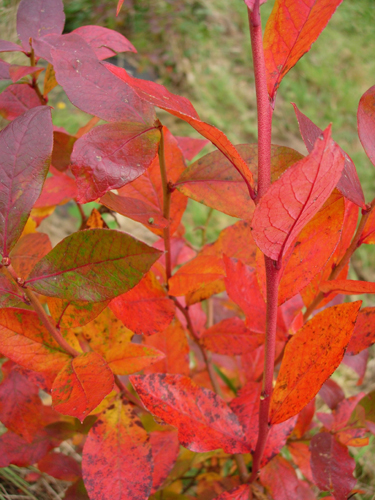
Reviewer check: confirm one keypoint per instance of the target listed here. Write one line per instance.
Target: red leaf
(17, 451)
(331, 392)
(347, 287)
(25, 341)
(214, 181)
(148, 296)
(366, 122)
(190, 146)
(203, 420)
(325, 338)
(364, 331)
(105, 42)
(9, 293)
(240, 493)
(294, 199)
(91, 87)
(116, 459)
(332, 466)
(20, 405)
(72, 390)
(368, 234)
(60, 466)
(349, 184)
(290, 31)
(17, 72)
(280, 479)
(93, 265)
(119, 5)
(182, 108)
(304, 420)
(301, 456)
(57, 190)
(358, 363)
(26, 145)
(173, 343)
(165, 449)
(108, 157)
(230, 337)
(28, 251)
(353, 437)
(6, 46)
(344, 410)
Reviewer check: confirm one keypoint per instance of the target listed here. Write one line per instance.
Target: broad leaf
(57, 190)
(230, 337)
(91, 87)
(203, 420)
(182, 108)
(60, 466)
(173, 343)
(17, 451)
(165, 448)
(37, 18)
(294, 199)
(366, 123)
(25, 341)
(28, 251)
(364, 331)
(213, 180)
(240, 493)
(349, 184)
(332, 466)
(108, 157)
(71, 314)
(72, 390)
(325, 338)
(116, 459)
(93, 265)
(331, 392)
(148, 296)
(105, 42)
(10, 293)
(291, 29)
(280, 480)
(17, 72)
(16, 100)
(347, 287)
(26, 147)
(6, 46)
(190, 146)
(304, 420)
(301, 457)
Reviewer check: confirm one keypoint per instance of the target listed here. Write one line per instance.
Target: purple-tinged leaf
(104, 42)
(36, 18)
(251, 3)
(349, 184)
(93, 265)
(17, 72)
(16, 100)
(366, 123)
(92, 87)
(6, 46)
(331, 393)
(26, 148)
(108, 157)
(190, 146)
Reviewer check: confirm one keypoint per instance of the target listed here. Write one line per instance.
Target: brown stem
(356, 242)
(82, 214)
(166, 206)
(129, 396)
(34, 84)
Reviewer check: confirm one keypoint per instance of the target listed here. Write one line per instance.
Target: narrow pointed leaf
(72, 390)
(366, 123)
(117, 459)
(91, 87)
(182, 108)
(108, 157)
(105, 42)
(325, 339)
(332, 466)
(349, 184)
(364, 331)
(165, 448)
(148, 296)
(26, 147)
(203, 420)
(25, 341)
(16, 100)
(294, 199)
(214, 181)
(347, 287)
(291, 29)
(93, 265)
(37, 18)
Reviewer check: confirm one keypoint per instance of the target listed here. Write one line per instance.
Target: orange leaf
(324, 338)
(347, 287)
(28, 251)
(74, 313)
(368, 234)
(364, 331)
(116, 459)
(81, 385)
(291, 29)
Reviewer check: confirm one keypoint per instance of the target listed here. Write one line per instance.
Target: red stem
(166, 206)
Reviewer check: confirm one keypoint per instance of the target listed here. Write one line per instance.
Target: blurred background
(201, 49)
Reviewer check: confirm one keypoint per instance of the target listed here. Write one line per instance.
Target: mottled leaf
(291, 29)
(148, 296)
(109, 156)
(28, 251)
(72, 390)
(117, 459)
(364, 331)
(71, 314)
(26, 147)
(92, 265)
(25, 341)
(240, 493)
(203, 420)
(10, 293)
(105, 42)
(36, 18)
(17, 451)
(165, 448)
(366, 123)
(294, 199)
(324, 338)
(349, 184)
(332, 466)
